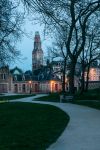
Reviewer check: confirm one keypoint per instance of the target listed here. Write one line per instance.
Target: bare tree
(92, 55)
(10, 32)
(59, 51)
(91, 52)
(71, 17)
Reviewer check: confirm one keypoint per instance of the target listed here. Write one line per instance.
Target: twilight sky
(26, 45)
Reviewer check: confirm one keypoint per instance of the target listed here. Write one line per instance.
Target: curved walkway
(83, 130)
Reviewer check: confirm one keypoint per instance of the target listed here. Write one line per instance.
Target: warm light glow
(52, 85)
(30, 86)
(92, 71)
(66, 80)
(92, 74)
(30, 82)
(52, 81)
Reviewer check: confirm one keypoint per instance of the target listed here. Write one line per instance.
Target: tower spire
(37, 53)
(37, 41)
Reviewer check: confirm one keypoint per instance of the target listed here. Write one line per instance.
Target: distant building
(40, 80)
(5, 80)
(37, 53)
(94, 76)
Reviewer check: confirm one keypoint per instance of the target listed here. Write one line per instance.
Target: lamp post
(30, 85)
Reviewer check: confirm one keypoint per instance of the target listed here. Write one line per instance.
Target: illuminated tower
(37, 53)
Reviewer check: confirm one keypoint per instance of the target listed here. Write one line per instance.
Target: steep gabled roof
(44, 74)
(16, 71)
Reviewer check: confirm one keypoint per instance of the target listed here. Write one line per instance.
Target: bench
(66, 98)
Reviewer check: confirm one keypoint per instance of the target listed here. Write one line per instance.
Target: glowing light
(52, 85)
(66, 80)
(30, 82)
(52, 81)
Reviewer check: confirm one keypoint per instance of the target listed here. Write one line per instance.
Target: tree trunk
(82, 82)
(63, 79)
(83, 70)
(87, 78)
(71, 77)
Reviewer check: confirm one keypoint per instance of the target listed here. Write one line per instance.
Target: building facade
(42, 79)
(94, 74)
(39, 80)
(93, 77)
(6, 80)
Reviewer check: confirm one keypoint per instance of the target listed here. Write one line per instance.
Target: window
(23, 87)
(20, 87)
(36, 88)
(56, 87)
(15, 78)
(23, 77)
(3, 76)
(16, 88)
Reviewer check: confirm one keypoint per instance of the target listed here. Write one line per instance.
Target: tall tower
(37, 53)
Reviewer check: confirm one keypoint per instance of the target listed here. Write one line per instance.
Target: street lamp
(30, 84)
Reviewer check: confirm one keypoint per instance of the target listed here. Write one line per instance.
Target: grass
(11, 97)
(25, 126)
(53, 97)
(93, 104)
(90, 99)
(90, 95)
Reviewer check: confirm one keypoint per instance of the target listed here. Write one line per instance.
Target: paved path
(83, 130)
(28, 99)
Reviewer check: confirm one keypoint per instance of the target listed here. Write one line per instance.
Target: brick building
(40, 80)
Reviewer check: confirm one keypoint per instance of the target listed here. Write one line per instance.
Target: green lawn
(90, 98)
(53, 97)
(27, 126)
(11, 97)
(90, 95)
(93, 104)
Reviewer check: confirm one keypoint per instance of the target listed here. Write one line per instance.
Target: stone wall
(94, 84)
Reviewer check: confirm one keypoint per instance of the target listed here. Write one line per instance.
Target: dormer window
(15, 78)
(23, 77)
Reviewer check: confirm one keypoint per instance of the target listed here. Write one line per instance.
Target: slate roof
(45, 73)
(16, 69)
(28, 72)
(22, 77)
